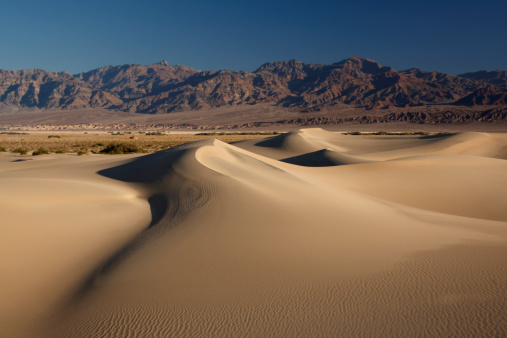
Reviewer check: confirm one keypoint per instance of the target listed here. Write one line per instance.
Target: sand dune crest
(309, 233)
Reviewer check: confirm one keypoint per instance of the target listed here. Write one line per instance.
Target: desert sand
(309, 233)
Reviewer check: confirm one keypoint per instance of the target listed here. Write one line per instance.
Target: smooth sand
(309, 233)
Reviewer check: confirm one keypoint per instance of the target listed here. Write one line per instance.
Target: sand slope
(309, 233)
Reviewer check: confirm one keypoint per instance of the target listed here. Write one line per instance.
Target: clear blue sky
(76, 36)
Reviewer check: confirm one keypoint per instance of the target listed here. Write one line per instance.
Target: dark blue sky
(76, 36)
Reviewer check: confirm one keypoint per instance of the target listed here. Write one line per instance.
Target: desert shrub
(40, 151)
(383, 133)
(54, 136)
(243, 133)
(82, 152)
(21, 151)
(60, 151)
(156, 133)
(120, 148)
(2, 149)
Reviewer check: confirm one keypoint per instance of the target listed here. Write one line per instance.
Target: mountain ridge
(162, 88)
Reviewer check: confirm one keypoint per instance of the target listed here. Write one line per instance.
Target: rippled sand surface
(309, 233)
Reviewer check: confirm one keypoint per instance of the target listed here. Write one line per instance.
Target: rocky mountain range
(161, 88)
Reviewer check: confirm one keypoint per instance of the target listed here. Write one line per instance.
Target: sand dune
(381, 148)
(325, 158)
(309, 233)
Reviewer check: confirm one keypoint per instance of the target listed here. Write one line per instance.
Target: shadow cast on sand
(170, 196)
(325, 158)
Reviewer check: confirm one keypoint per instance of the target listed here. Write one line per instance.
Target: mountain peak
(356, 64)
(289, 63)
(360, 59)
(162, 63)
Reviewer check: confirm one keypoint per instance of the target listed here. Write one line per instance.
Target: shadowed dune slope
(295, 143)
(58, 222)
(325, 158)
(393, 236)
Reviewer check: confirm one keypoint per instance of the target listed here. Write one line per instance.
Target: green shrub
(21, 151)
(40, 151)
(2, 149)
(82, 152)
(243, 133)
(157, 133)
(120, 148)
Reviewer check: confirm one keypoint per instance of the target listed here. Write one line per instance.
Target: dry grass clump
(381, 133)
(40, 151)
(240, 133)
(21, 151)
(157, 133)
(120, 148)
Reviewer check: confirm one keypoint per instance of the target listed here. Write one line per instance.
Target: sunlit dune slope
(309, 233)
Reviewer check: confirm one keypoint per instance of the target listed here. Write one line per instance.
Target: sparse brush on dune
(40, 151)
(120, 148)
(381, 133)
(238, 133)
(21, 151)
(94, 143)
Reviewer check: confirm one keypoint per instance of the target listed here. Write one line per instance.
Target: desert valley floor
(306, 234)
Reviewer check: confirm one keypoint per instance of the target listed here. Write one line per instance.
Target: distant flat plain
(260, 117)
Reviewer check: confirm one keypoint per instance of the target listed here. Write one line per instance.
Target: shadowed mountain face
(485, 96)
(161, 88)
